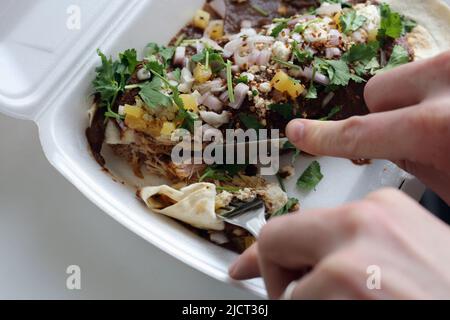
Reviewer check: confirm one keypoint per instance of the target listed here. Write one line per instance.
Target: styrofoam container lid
(44, 43)
(46, 68)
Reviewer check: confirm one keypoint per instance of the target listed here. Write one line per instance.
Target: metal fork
(248, 215)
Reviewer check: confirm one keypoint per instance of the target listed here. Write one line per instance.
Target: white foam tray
(45, 77)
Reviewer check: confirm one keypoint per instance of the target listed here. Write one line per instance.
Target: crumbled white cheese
(274, 198)
(373, 18)
(265, 87)
(250, 76)
(223, 199)
(281, 50)
(317, 31)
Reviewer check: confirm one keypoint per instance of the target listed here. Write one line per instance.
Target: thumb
(389, 135)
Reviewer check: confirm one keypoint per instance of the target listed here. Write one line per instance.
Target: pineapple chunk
(133, 111)
(189, 102)
(296, 89)
(215, 29)
(201, 19)
(202, 74)
(168, 128)
(135, 123)
(337, 21)
(283, 83)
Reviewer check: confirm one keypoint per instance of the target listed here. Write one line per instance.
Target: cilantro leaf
(361, 52)
(311, 177)
(111, 78)
(284, 109)
(153, 51)
(210, 57)
(241, 79)
(332, 113)
(278, 28)
(152, 96)
(312, 92)
(292, 203)
(129, 59)
(250, 121)
(337, 70)
(399, 56)
(391, 23)
(351, 21)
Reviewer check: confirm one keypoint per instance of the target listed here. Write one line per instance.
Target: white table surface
(47, 225)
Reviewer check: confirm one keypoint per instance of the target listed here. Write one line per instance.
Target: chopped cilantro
(391, 23)
(332, 113)
(210, 57)
(152, 96)
(399, 56)
(111, 78)
(351, 21)
(230, 82)
(284, 109)
(278, 28)
(154, 50)
(311, 177)
(250, 121)
(292, 203)
(285, 63)
(242, 79)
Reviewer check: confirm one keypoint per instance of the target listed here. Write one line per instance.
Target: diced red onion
(261, 39)
(179, 57)
(334, 37)
(219, 238)
(214, 119)
(199, 46)
(211, 43)
(240, 94)
(211, 86)
(224, 97)
(264, 57)
(213, 103)
(332, 52)
(246, 24)
(293, 22)
(248, 32)
(383, 58)
(235, 68)
(328, 9)
(231, 47)
(241, 61)
(219, 7)
(253, 57)
(319, 78)
(328, 99)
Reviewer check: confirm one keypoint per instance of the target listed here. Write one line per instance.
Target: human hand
(409, 124)
(387, 230)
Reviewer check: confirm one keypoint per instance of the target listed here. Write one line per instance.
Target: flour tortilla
(194, 204)
(432, 35)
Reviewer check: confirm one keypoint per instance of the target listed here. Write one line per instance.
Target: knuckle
(350, 132)
(338, 269)
(432, 122)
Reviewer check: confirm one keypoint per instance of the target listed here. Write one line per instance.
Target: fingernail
(295, 131)
(234, 268)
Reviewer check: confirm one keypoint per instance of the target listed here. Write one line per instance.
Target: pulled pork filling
(249, 65)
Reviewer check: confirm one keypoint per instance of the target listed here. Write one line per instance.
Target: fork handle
(254, 226)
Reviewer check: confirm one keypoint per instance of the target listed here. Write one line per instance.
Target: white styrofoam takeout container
(46, 71)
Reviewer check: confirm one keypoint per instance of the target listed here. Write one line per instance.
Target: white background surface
(47, 225)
